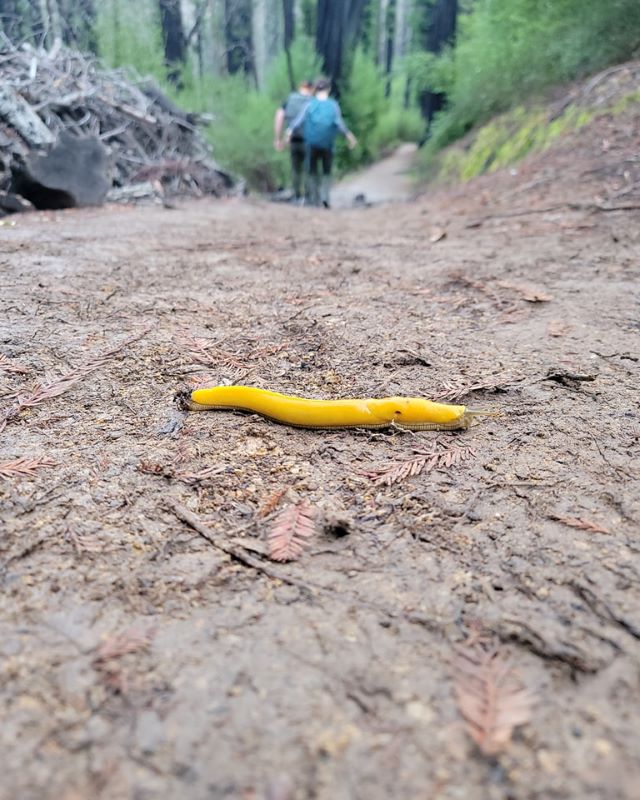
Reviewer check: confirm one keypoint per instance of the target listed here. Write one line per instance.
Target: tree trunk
(10, 21)
(402, 31)
(172, 38)
(78, 24)
(383, 33)
(338, 26)
(259, 38)
(439, 31)
(289, 31)
(239, 45)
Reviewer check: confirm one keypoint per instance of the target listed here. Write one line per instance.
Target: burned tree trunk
(78, 22)
(73, 173)
(288, 12)
(440, 30)
(237, 30)
(338, 26)
(172, 38)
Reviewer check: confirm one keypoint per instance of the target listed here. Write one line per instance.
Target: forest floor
(501, 579)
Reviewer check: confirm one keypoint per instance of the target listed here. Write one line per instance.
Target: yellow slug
(412, 413)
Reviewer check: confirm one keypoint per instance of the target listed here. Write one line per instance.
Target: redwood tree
(172, 37)
(439, 30)
(339, 23)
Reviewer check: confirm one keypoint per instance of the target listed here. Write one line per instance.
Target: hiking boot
(325, 189)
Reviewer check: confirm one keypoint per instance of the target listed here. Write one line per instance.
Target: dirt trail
(387, 181)
(140, 661)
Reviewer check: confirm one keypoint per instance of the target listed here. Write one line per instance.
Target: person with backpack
(321, 121)
(285, 116)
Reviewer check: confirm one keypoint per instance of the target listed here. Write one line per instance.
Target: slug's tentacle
(411, 413)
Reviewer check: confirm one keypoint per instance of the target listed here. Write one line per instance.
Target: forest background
(404, 70)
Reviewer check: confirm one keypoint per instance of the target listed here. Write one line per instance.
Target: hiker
(321, 121)
(285, 116)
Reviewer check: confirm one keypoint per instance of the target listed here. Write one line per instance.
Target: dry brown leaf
(529, 293)
(272, 502)
(490, 694)
(24, 467)
(557, 327)
(442, 456)
(291, 531)
(582, 524)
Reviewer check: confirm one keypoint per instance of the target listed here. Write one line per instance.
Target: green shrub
(129, 35)
(242, 133)
(306, 65)
(508, 51)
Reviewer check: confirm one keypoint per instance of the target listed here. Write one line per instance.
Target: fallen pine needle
(24, 467)
(119, 644)
(581, 524)
(291, 531)
(490, 694)
(442, 456)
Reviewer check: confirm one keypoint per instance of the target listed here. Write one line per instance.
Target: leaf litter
(491, 696)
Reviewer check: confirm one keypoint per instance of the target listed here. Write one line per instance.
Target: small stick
(234, 551)
(238, 553)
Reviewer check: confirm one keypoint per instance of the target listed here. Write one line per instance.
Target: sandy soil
(141, 661)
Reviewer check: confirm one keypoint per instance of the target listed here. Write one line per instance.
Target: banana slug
(411, 413)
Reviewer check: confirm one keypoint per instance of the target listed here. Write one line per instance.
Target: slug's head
(182, 398)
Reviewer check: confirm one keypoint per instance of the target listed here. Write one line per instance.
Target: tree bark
(383, 33)
(238, 39)
(289, 32)
(339, 23)
(19, 114)
(402, 31)
(172, 38)
(259, 38)
(439, 31)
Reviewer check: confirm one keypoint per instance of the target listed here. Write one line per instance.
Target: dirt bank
(141, 661)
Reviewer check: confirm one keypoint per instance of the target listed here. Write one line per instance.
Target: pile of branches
(49, 96)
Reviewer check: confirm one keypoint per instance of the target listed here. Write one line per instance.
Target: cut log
(72, 174)
(19, 114)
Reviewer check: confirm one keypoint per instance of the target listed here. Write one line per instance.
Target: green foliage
(242, 138)
(242, 131)
(508, 138)
(396, 125)
(129, 35)
(510, 50)
(306, 66)
(363, 104)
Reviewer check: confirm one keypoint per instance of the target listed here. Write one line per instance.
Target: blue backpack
(321, 123)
